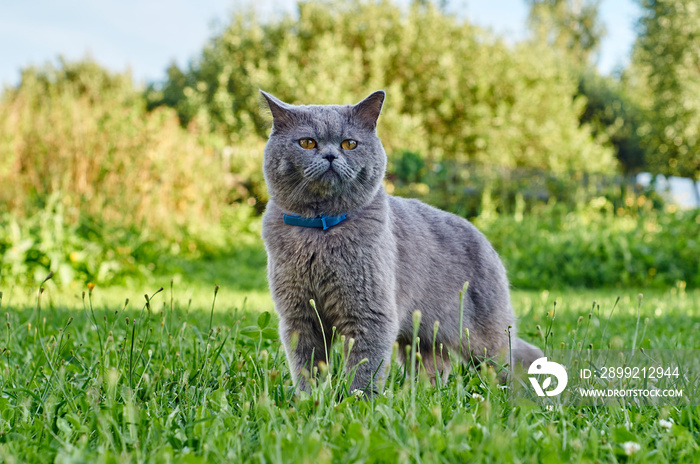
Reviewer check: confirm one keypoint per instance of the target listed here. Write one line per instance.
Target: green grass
(172, 380)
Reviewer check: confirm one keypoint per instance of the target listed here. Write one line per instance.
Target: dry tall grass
(85, 133)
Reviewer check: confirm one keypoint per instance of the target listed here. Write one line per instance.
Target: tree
(614, 115)
(574, 30)
(572, 26)
(666, 59)
(454, 92)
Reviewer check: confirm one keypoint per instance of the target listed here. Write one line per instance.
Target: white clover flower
(630, 447)
(477, 396)
(667, 424)
(357, 393)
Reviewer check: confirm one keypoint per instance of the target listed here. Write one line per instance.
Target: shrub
(597, 246)
(80, 251)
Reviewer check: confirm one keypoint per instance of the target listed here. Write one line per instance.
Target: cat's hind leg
(524, 353)
(436, 364)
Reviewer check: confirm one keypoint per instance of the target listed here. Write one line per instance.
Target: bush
(83, 251)
(599, 246)
(465, 188)
(92, 250)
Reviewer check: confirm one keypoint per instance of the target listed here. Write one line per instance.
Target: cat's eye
(348, 144)
(307, 143)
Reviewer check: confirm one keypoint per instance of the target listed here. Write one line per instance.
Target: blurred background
(568, 131)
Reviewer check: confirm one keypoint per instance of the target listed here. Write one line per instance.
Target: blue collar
(321, 222)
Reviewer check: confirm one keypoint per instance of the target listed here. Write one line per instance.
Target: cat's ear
(281, 111)
(368, 110)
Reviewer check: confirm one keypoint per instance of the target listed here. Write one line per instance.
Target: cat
(369, 259)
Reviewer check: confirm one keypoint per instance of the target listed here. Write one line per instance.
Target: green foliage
(454, 92)
(161, 383)
(666, 61)
(92, 250)
(598, 246)
(600, 243)
(45, 242)
(88, 250)
(614, 114)
(97, 188)
(571, 26)
(102, 183)
(469, 190)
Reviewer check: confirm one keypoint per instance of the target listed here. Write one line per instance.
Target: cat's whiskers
(297, 193)
(345, 172)
(356, 181)
(313, 171)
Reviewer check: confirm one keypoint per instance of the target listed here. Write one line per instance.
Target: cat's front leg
(369, 356)
(303, 343)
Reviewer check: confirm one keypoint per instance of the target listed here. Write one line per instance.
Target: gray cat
(369, 259)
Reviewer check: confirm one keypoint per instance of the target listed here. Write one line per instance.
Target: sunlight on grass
(161, 383)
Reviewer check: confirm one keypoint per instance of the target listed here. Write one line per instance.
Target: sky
(145, 36)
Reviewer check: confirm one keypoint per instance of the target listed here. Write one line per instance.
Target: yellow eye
(349, 144)
(307, 143)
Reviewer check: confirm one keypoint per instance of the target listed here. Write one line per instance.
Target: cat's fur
(391, 256)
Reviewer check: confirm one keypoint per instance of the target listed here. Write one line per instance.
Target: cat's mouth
(330, 175)
(331, 170)
(320, 171)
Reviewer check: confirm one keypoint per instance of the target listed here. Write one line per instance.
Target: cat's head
(324, 159)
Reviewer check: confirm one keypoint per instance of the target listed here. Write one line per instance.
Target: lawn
(153, 191)
(184, 376)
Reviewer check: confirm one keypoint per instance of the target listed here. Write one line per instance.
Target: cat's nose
(330, 157)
